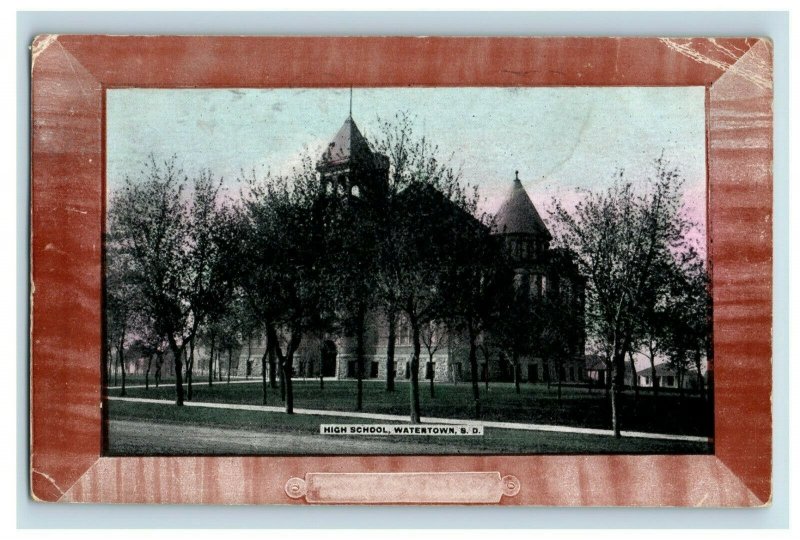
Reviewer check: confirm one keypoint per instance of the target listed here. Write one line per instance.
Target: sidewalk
(428, 420)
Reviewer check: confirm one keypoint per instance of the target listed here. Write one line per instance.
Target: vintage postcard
(397, 284)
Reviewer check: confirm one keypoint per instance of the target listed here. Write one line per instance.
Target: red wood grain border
(69, 75)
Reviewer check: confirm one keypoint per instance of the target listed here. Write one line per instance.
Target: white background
(17, 509)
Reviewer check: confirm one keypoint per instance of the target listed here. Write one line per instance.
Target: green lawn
(306, 427)
(535, 404)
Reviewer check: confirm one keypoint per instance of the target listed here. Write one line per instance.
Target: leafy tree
(688, 317)
(425, 204)
(148, 224)
(281, 275)
(479, 290)
(348, 267)
(559, 324)
(428, 268)
(210, 239)
(618, 236)
(413, 160)
(121, 302)
(517, 325)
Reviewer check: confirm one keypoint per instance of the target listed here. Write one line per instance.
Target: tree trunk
(559, 373)
(614, 418)
(700, 383)
(486, 369)
(287, 381)
(515, 367)
(230, 354)
(247, 364)
(430, 362)
(634, 376)
(211, 361)
(653, 369)
(473, 366)
(617, 358)
(190, 368)
(321, 364)
(276, 356)
(281, 372)
(285, 362)
(392, 320)
(272, 364)
(177, 353)
(264, 365)
(548, 371)
(121, 355)
(109, 361)
(116, 368)
(415, 407)
(360, 358)
(147, 373)
(159, 363)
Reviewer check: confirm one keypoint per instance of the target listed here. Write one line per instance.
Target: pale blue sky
(558, 138)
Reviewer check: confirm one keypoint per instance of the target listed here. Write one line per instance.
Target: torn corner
(39, 44)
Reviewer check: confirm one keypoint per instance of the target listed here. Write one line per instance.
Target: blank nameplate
(403, 488)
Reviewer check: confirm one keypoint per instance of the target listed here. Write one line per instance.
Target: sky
(560, 139)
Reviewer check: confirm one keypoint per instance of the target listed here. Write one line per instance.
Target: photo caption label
(446, 430)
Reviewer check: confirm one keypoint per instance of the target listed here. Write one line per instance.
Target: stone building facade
(349, 166)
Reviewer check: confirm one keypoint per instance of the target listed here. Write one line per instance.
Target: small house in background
(596, 370)
(667, 377)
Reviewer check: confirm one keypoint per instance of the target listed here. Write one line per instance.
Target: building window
(670, 380)
(351, 368)
(572, 374)
(373, 370)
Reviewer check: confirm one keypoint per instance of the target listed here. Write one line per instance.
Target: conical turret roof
(518, 215)
(348, 144)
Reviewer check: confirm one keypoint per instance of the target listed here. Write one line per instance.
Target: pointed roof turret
(347, 145)
(518, 215)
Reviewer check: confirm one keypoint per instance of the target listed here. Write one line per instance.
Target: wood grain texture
(69, 76)
(740, 217)
(66, 204)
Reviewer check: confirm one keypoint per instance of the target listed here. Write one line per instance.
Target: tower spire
(351, 101)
